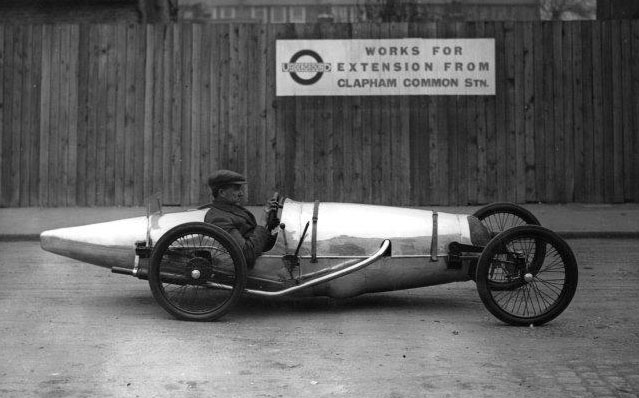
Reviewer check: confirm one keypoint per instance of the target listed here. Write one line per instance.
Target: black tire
(499, 217)
(197, 272)
(546, 285)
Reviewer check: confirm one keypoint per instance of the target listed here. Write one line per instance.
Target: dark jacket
(240, 223)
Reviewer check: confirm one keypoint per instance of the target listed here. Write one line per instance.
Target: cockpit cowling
(347, 229)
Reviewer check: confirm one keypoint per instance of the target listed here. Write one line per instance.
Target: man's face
(233, 194)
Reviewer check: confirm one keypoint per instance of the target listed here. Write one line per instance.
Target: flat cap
(223, 177)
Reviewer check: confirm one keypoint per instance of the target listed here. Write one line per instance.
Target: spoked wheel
(197, 272)
(545, 284)
(498, 217)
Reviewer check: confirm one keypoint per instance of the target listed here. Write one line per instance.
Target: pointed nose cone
(105, 244)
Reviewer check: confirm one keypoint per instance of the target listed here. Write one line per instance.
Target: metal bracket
(314, 232)
(433, 242)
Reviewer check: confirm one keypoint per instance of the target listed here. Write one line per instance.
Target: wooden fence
(102, 115)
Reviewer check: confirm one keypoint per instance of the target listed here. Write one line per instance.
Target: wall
(102, 115)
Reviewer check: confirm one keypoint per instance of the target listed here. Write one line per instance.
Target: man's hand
(270, 213)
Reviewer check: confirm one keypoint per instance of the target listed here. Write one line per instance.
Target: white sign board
(385, 67)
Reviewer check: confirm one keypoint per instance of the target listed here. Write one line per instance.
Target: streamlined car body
(525, 273)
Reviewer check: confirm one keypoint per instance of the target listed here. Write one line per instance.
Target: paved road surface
(74, 330)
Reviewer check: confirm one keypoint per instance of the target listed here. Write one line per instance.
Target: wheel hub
(198, 271)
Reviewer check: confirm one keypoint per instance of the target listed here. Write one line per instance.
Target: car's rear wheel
(542, 270)
(197, 272)
(500, 217)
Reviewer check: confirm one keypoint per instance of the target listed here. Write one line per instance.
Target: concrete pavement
(569, 220)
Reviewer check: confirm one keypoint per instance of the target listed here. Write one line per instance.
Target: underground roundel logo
(311, 71)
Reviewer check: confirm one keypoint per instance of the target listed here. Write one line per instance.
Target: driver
(226, 211)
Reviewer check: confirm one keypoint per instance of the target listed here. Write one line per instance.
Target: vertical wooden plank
(92, 125)
(63, 117)
(271, 127)
(148, 110)
(286, 119)
(3, 63)
(634, 165)
(298, 136)
(274, 134)
(256, 139)
(120, 61)
(298, 145)
(110, 121)
(54, 167)
(216, 83)
(439, 156)
(224, 97)
(141, 80)
(237, 105)
(481, 135)
(381, 143)
(539, 105)
(502, 111)
(102, 170)
(175, 107)
(167, 160)
(617, 113)
(626, 86)
(243, 61)
(549, 108)
(72, 75)
(159, 168)
(340, 129)
(186, 92)
(323, 135)
(587, 70)
(196, 100)
(400, 156)
(558, 117)
(329, 32)
(459, 163)
(16, 110)
(450, 137)
(598, 111)
(25, 116)
(131, 57)
(469, 162)
(608, 111)
(239, 118)
(363, 145)
(263, 113)
(519, 116)
(419, 138)
(492, 156)
(568, 150)
(36, 68)
(332, 144)
(311, 118)
(84, 48)
(45, 92)
(577, 61)
(530, 192)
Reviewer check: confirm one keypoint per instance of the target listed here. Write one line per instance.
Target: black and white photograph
(319, 198)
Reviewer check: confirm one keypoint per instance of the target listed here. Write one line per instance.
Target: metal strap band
(433, 242)
(314, 233)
